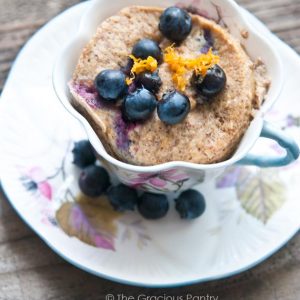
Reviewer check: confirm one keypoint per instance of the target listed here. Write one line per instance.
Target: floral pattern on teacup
(165, 181)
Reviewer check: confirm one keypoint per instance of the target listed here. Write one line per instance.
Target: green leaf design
(261, 193)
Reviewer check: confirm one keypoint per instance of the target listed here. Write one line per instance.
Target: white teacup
(179, 175)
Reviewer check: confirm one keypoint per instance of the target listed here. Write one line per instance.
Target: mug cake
(166, 85)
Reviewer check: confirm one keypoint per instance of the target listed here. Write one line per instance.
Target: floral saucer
(250, 212)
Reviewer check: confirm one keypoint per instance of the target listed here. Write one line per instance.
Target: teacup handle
(291, 147)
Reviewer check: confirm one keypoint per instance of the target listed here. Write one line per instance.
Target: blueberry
(139, 105)
(153, 206)
(94, 181)
(145, 48)
(83, 154)
(150, 81)
(111, 84)
(175, 24)
(173, 108)
(190, 204)
(212, 84)
(122, 197)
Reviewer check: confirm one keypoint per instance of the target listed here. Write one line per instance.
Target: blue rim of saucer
(5, 192)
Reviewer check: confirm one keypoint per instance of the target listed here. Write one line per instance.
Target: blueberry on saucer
(83, 154)
(94, 181)
(153, 206)
(122, 197)
(190, 204)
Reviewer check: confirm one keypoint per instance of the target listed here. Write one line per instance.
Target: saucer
(250, 212)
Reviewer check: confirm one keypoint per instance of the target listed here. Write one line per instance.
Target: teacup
(179, 175)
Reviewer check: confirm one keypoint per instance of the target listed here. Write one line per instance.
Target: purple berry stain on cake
(122, 129)
(89, 93)
(209, 41)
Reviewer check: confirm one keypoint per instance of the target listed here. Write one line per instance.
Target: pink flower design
(159, 180)
(45, 189)
(36, 181)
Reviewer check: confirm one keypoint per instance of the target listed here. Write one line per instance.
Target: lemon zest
(140, 66)
(180, 66)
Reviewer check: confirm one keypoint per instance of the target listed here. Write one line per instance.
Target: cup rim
(96, 142)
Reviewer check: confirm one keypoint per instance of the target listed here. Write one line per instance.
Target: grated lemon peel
(180, 65)
(140, 66)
